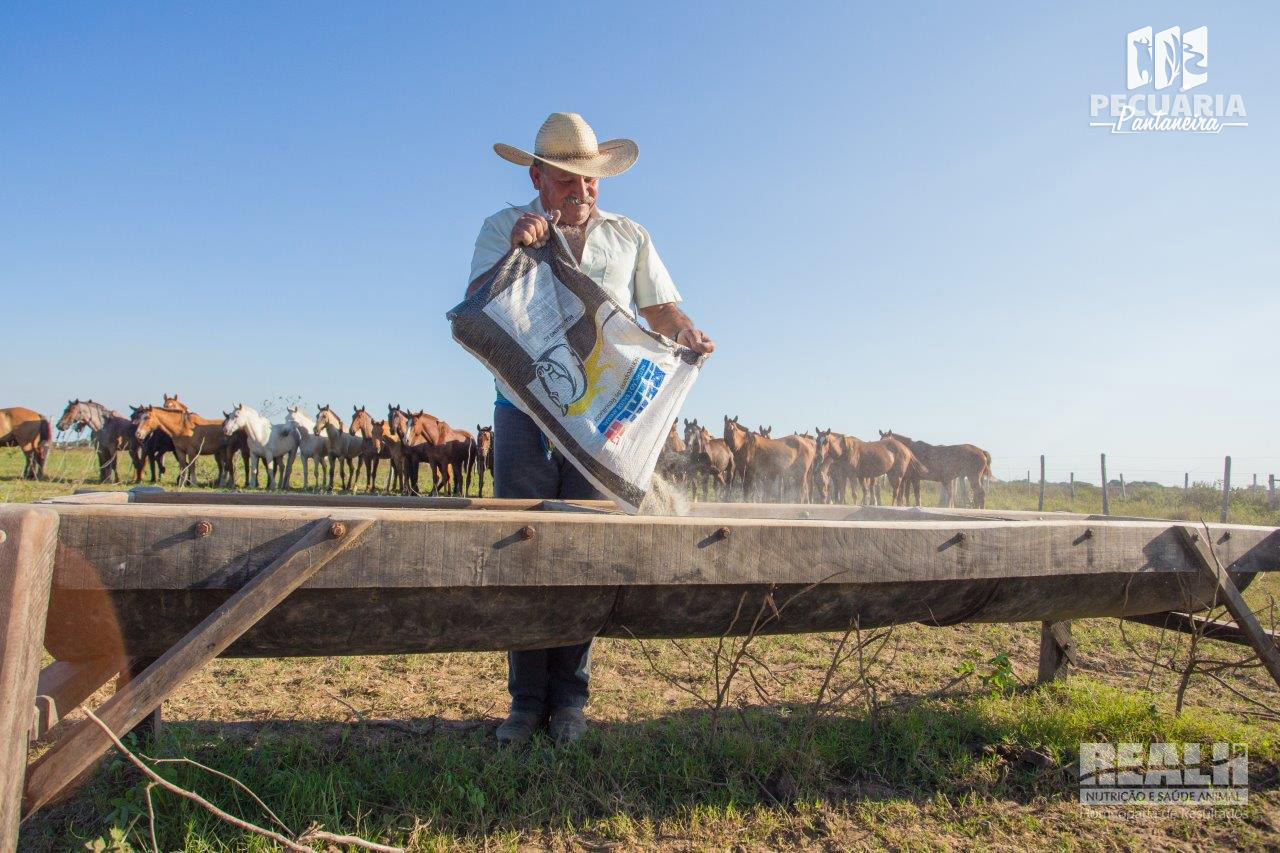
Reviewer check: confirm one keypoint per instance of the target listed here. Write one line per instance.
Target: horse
(276, 445)
(451, 452)
(948, 462)
(30, 431)
(779, 460)
(375, 449)
(905, 473)
(673, 461)
(193, 437)
(709, 459)
(312, 448)
(153, 448)
(343, 446)
(735, 438)
(845, 458)
(484, 454)
(109, 432)
(238, 445)
(387, 440)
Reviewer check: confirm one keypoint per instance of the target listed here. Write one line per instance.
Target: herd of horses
(755, 466)
(332, 452)
(740, 464)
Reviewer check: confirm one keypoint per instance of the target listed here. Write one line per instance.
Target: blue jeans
(539, 680)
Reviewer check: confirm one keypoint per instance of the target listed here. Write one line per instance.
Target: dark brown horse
(451, 453)
(30, 431)
(110, 434)
(153, 448)
(484, 454)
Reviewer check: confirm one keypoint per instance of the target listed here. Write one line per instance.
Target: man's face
(573, 195)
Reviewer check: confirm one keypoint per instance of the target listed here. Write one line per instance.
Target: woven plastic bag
(603, 389)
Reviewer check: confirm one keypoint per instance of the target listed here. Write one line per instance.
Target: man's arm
(667, 319)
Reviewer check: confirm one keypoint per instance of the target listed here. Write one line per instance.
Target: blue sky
(886, 217)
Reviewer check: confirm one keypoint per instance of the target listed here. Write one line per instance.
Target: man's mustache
(573, 199)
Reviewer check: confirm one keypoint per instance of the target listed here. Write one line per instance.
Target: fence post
(1186, 482)
(1041, 507)
(1124, 494)
(1271, 491)
(1255, 481)
(1226, 488)
(1106, 504)
(1073, 485)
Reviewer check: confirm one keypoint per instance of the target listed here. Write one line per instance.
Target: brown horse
(735, 437)
(846, 459)
(949, 462)
(906, 472)
(484, 454)
(786, 462)
(109, 432)
(673, 461)
(709, 459)
(30, 431)
(192, 436)
(451, 453)
(153, 449)
(389, 442)
(376, 448)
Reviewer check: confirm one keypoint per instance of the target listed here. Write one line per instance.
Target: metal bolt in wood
(527, 532)
(337, 530)
(202, 529)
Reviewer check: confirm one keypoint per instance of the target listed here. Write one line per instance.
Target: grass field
(935, 743)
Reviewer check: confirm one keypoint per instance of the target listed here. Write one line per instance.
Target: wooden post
(28, 536)
(1255, 481)
(1106, 505)
(1041, 506)
(65, 684)
(1229, 595)
(1271, 491)
(1124, 492)
(1186, 482)
(71, 755)
(1057, 651)
(1226, 488)
(1073, 485)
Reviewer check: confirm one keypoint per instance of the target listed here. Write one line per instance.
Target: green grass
(970, 768)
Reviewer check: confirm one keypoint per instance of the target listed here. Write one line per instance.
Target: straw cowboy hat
(567, 142)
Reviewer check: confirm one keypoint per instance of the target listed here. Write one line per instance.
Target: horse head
(823, 438)
(765, 431)
(145, 421)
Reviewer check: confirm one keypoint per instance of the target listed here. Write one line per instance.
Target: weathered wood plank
(137, 546)
(66, 759)
(27, 537)
(1215, 568)
(64, 685)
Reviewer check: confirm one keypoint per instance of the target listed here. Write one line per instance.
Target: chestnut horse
(846, 459)
(709, 459)
(109, 432)
(30, 431)
(949, 462)
(193, 437)
(376, 448)
(451, 452)
(784, 461)
(161, 444)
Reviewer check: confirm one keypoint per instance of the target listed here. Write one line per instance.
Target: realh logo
(1131, 774)
(1160, 60)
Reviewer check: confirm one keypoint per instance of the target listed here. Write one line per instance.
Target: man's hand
(696, 340)
(532, 230)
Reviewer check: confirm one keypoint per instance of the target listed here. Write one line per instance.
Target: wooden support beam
(28, 537)
(65, 684)
(1259, 639)
(1209, 629)
(1057, 651)
(318, 543)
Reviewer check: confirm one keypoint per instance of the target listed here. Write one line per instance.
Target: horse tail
(986, 474)
(46, 430)
(916, 468)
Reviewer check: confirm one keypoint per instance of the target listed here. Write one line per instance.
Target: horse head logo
(562, 376)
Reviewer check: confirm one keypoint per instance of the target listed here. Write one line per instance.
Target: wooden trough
(155, 584)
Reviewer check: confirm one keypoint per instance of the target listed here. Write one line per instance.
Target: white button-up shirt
(618, 255)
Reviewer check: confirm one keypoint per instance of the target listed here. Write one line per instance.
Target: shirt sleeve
(491, 245)
(653, 284)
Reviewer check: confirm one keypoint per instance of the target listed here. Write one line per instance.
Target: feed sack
(603, 389)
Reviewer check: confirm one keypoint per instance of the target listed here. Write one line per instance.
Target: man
(566, 166)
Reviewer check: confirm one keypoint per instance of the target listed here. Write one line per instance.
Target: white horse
(274, 444)
(342, 445)
(312, 447)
